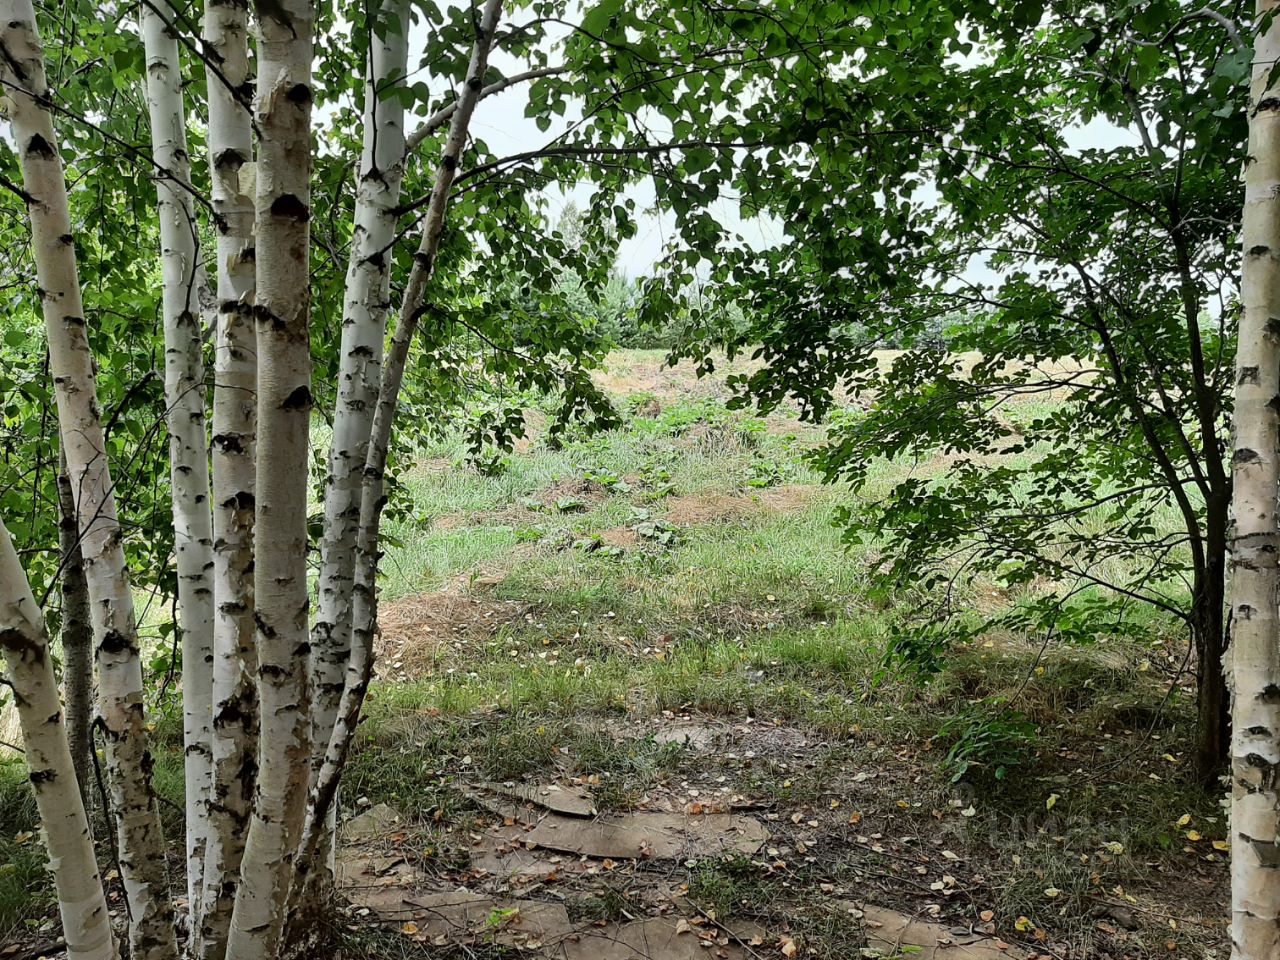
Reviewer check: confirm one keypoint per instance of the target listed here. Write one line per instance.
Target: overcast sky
(501, 122)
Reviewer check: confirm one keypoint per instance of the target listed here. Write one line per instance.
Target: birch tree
(1255, 539)
(282, 313)
(364, 319)
(233, 447)
(76, 636)
(120, 692)
(29, 668)
(184, 297)
(359, 667)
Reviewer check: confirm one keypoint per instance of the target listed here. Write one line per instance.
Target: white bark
(24, 645)
(364, 603)
(120, 691)
(282, 311)
(183, 287)
(1255, 542)
(364, 322)
(230, 142)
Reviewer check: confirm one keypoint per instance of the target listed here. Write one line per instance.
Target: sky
(501, 122)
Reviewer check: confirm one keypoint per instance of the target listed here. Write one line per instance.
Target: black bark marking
(299, 94)
(274, 10)
(289, 206)
(228, 442)
(40, 147)
(1268, 853)
(113, 642)
(17, 641)
(229, 159)
(1247, 375)
(299, 399)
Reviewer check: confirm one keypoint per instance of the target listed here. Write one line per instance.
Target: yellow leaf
(409, 929)
(1193, 835)
(1052, 892)
(788, 947)
(1023, 925)
(1053, 798)
(1184, 819)
(1222, 845)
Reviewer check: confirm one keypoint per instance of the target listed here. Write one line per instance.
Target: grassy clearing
(685, 569)
(753, 611)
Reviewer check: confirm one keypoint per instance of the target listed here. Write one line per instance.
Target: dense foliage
(1060, 223)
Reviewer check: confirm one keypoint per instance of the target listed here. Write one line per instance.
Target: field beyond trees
(664, 619)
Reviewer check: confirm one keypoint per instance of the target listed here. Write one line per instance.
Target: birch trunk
(1255, 543)
(282, 313)
(77, 638)
(120, 692)
(364, 323)
(235, 723)
(372, 501)
(183, 286)
(83, 908)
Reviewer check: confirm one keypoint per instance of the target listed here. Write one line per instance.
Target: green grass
(25, 889)
(758, 613)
